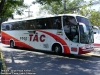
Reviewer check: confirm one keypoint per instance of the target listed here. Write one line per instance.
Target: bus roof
(43, 17)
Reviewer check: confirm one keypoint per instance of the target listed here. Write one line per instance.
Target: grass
(2, 64)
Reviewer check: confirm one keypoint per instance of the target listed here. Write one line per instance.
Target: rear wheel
(57, 49)
(11, 44)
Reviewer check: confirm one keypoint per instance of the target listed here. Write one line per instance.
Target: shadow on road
(52, 53)
(49, 63)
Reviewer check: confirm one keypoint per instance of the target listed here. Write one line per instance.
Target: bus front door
(74, 47)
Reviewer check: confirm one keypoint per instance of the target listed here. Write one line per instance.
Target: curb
(3, 63)
(95, 56)
(92, 55)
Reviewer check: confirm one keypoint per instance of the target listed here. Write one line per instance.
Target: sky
(34, 8)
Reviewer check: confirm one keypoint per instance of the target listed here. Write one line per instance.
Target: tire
(57, 49)
(11, 44)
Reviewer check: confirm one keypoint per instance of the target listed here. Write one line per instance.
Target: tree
(2, 5)
(53, 8)
(8, 7)
(72, 6)
(92, 14)
(59, 7)
(95, 18)
(43, 2)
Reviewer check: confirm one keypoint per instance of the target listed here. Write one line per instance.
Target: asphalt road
(45, 63)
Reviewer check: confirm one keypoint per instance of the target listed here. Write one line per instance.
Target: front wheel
(57, 49)
(11, 44)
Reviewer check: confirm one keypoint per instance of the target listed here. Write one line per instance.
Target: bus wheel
(57, 49)
(11, 44)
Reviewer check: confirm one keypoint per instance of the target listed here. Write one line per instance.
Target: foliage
(95, 18)
(57, 7)
(43, 2)
(72, 6)
(1, 4)
(92, 14)
(10, 6)
(53, 8)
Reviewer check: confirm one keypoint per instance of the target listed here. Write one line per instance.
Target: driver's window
(70, 27)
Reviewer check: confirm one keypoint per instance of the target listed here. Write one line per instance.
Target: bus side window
(27, 25)
(13, 27)
(23, 24)
(16, 26)
(7, 27)
(40, 24)
(47, 23)
(56, 23)
(34, 24)
(20, 26)
(3, 27)
(31, 24)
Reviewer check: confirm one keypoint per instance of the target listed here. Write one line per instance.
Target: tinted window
(15, 26)
(69, 20)
(49, 23)
(44, 23)
(40, 24)
(6, 26)
(56, 23)
(21, 25)
(31, 24)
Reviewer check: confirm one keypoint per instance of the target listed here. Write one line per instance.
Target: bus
(96, 31)
(48, 33)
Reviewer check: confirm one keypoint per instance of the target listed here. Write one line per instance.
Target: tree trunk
(2, 5)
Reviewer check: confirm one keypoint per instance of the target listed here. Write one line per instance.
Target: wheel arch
(57, 43)
(12, 40)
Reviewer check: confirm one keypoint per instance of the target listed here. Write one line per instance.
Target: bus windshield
(85, 37)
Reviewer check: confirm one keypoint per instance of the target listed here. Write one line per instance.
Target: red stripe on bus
(66, 49)
(17, 42)
(57, 38)
(97, 44)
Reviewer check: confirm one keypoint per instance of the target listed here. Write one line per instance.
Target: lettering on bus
(37, 38)
(23, 38)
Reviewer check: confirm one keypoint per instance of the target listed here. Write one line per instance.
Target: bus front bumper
(84, 51)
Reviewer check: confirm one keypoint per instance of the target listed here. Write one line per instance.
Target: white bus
(51, 34)
(96, 31)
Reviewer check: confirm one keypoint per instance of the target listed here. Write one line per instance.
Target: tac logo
(37, 38)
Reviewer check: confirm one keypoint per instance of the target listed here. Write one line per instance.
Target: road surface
(45, 63)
